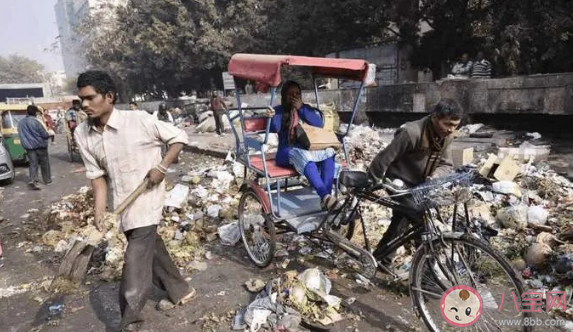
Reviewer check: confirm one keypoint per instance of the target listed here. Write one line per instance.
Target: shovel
(75, 263)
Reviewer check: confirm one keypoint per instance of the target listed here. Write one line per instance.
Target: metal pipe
(355, 108)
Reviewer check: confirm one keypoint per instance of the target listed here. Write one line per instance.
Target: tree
(158, 47)
(521, 36)
(20, 69)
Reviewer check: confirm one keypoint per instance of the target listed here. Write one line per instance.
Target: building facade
(69, 15)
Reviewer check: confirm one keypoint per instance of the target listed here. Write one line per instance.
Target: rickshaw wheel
(257, 229)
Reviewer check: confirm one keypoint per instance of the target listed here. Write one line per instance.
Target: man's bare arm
(171, 154)
(99, 187)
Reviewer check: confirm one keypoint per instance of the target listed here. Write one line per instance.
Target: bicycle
(443, 259)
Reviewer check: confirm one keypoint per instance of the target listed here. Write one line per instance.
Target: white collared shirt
(129, 146)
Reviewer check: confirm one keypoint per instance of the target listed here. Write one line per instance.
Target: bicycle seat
(355, 179)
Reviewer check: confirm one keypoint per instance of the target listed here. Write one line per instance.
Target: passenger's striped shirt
(481, 69)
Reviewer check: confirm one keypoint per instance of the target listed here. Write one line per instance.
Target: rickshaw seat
(273, 170)
(255, 124)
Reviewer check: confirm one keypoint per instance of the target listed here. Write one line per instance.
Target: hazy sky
(28, 27)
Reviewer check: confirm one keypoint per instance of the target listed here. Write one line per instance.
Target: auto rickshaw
(10, 115)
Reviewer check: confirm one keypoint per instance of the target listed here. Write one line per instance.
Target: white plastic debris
(230, 233)
(514, 217)
(62, 246)
(537, 215)
(177, 196)
(222, 181)
(507, 187)
(200, 192)
(213, 211)
(535, 135)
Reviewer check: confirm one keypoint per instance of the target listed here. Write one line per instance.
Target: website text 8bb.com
(531, 321)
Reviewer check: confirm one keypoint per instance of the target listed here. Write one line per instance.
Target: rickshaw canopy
(267, 68)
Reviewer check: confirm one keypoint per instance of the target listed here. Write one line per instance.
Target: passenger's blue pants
(320, 175)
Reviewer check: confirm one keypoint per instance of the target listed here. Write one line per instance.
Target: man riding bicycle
(419, 151)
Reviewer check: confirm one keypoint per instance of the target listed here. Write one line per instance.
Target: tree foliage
(20, 69)
(165, 47)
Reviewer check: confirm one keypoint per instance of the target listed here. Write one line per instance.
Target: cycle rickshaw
(273, 199)
(443, 260)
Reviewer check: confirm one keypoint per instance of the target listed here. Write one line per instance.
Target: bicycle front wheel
(464, 282)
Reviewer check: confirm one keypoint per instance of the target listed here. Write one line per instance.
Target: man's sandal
(165, 304)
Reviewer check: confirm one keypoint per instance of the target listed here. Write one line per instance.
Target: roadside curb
(209, 152)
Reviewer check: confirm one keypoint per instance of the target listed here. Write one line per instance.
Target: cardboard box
(505, 169)
(462, 157)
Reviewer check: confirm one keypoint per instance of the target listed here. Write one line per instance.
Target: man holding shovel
(122, 149)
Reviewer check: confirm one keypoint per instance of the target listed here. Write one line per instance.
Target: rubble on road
(196, 210)
(286, 301)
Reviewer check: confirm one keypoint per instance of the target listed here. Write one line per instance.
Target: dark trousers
(399, 224)
(39, 157)
(146, 262)
(218, 115)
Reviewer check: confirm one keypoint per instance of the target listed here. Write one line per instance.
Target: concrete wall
(537, 94)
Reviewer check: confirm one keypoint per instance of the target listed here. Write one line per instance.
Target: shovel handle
(132, 197)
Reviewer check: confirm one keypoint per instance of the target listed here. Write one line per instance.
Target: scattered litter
(230, 233)
(284, 302)
(255, 285)
(198, 266)
(177, 196)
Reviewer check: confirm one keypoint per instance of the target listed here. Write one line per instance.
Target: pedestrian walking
(124, 147)
(218, 107)
(34, 138)
(48, 122)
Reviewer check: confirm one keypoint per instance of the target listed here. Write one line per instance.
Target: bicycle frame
(426, 228)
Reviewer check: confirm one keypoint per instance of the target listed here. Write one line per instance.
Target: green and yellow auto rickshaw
(10, 115)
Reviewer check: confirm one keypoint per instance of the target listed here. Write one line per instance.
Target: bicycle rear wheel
(257, 229)
(472, 265)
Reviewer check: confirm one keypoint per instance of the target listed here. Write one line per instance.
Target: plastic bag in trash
(213, 211)
(230, 233)
(507, 187)
(177, 196)
(537, 215)
(514, 217)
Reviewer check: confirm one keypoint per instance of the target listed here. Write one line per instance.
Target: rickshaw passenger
(72, 116)
(419, 151)
(317, 166)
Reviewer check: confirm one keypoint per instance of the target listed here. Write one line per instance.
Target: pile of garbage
(198, 210)
(364, 143)
(283, 303)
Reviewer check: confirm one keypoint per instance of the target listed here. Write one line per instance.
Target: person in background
(249, 88)
(162, 114)
(34, 138)
(60, 116)
(219, 108)
(419, 151)
(121, 149)
(133, 106)
(481, 67)
(463, 68)
(72, 119)
(317, 166)
(48, 123)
